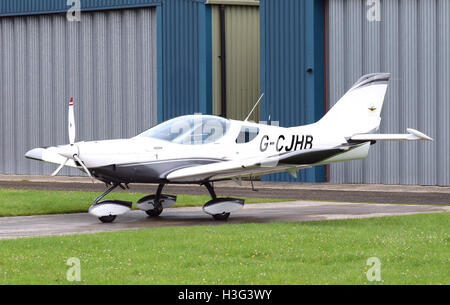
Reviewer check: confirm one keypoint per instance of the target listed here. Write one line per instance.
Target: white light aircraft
(201, 149)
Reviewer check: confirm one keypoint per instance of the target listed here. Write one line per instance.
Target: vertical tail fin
(358, 111)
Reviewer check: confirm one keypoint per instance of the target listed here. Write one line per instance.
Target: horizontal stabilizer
(412, 135)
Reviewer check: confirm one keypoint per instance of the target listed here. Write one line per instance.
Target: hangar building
(129, 64)
(133, 63)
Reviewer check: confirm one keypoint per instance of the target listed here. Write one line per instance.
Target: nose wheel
(107, 210)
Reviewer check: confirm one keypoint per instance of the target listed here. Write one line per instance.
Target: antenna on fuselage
(246, 119)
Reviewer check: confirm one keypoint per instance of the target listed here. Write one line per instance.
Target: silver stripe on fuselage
(171, 160)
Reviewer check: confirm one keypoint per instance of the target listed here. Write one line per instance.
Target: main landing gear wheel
(223, 216)
(107, 219)
(153, 205)
(156, 211)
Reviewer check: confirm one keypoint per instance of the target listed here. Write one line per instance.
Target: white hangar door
(106, 61)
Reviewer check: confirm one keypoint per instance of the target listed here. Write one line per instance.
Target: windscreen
(189, 130)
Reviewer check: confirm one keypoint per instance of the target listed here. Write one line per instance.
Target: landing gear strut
(210, 189)
(157, 206)
(107, 210)
(220, 208)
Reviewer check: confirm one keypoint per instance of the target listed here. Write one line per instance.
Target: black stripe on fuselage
(146, 172)
(310, 157)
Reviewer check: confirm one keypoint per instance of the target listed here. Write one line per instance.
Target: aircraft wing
(225, 168)
(412, 135)
(278, 163)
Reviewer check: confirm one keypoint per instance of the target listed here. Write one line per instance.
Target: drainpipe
(223, 64)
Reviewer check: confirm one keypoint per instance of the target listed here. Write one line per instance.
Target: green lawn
(412, 250)
(15, 202)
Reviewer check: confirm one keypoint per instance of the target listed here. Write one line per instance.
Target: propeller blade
(84, 167)
(71, 123)
(59, 168)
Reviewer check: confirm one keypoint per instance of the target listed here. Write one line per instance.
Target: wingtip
(419, 134)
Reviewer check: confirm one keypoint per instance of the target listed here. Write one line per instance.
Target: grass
(14, 202)
(412, 249)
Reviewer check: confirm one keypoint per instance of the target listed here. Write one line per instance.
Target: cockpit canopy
(190, 130)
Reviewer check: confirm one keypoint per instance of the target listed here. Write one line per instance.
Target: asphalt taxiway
(373, 193)
(295, 211)
(314, 201)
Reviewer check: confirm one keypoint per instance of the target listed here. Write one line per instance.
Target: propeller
(59, 168)
(71, 123)
(72, 150)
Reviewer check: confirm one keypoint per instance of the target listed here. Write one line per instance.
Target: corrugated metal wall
(412, 42)
(32, 7)
(186, 58)
(242, 58)
(291, 44)
(107, 63)
(183, 45)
